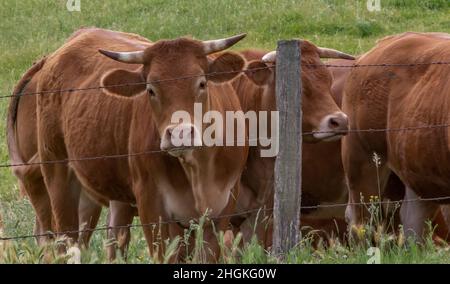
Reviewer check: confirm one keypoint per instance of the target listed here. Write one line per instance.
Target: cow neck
(203, 167)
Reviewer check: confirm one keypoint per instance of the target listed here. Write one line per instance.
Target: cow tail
(13, 148)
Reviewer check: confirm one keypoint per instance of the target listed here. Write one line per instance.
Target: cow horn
(211, 46)
(332, 53)
(270, 57)
(323, 53)
(136, 57)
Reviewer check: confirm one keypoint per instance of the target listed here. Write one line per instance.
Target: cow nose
(184, 134)
(179, 136)
(332, 127)
(338, 122)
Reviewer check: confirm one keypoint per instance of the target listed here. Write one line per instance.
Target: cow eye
(202, 85)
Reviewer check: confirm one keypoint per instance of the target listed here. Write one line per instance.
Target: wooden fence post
(286, 227)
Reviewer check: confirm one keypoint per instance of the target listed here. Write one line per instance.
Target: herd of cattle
(126, 115)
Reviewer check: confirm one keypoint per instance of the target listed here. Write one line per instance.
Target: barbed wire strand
(410, 128)
(149, 152)
(382, 64)
(71, 90)
(129, 226)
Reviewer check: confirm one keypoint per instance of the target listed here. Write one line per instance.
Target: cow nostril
(333, 123)
(185, 132)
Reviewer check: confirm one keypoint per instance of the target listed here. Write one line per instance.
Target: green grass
(392, 250)
(33, 28)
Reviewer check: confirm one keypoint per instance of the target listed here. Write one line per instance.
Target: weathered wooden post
(286, 230)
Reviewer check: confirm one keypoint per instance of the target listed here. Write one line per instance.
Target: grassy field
(33, 28)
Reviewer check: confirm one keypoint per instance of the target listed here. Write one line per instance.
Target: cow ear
(123, 82)
(225, 67)
(259, 72)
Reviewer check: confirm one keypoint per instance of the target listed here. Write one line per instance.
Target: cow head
(177, 73)
(320, 112)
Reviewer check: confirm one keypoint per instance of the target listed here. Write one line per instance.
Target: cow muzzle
(332, 127)
(178, 139)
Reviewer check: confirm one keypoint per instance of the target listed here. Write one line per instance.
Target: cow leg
(255, 225)
(206, 248)
(89, 213)
(256, 222)
(414, 215)
(221, 224)
(64, 195)
(441, 223)
(445, 211)
(394, 192)
(120, 214)
(212, 246)
(254, 195)
(203, 246)
(182, 252)
(362, 179)
(31, 183)
(150, 210)
(37, 193)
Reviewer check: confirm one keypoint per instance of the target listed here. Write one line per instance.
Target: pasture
(34, 28)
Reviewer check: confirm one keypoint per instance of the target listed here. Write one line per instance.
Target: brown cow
(323, 177)
(394, 188)
(324, 171)
(22, 146)
(400, 97)
(135, 119)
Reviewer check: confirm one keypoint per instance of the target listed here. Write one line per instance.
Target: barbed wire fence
(242, 213)
(151, 152)
(168, 80)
